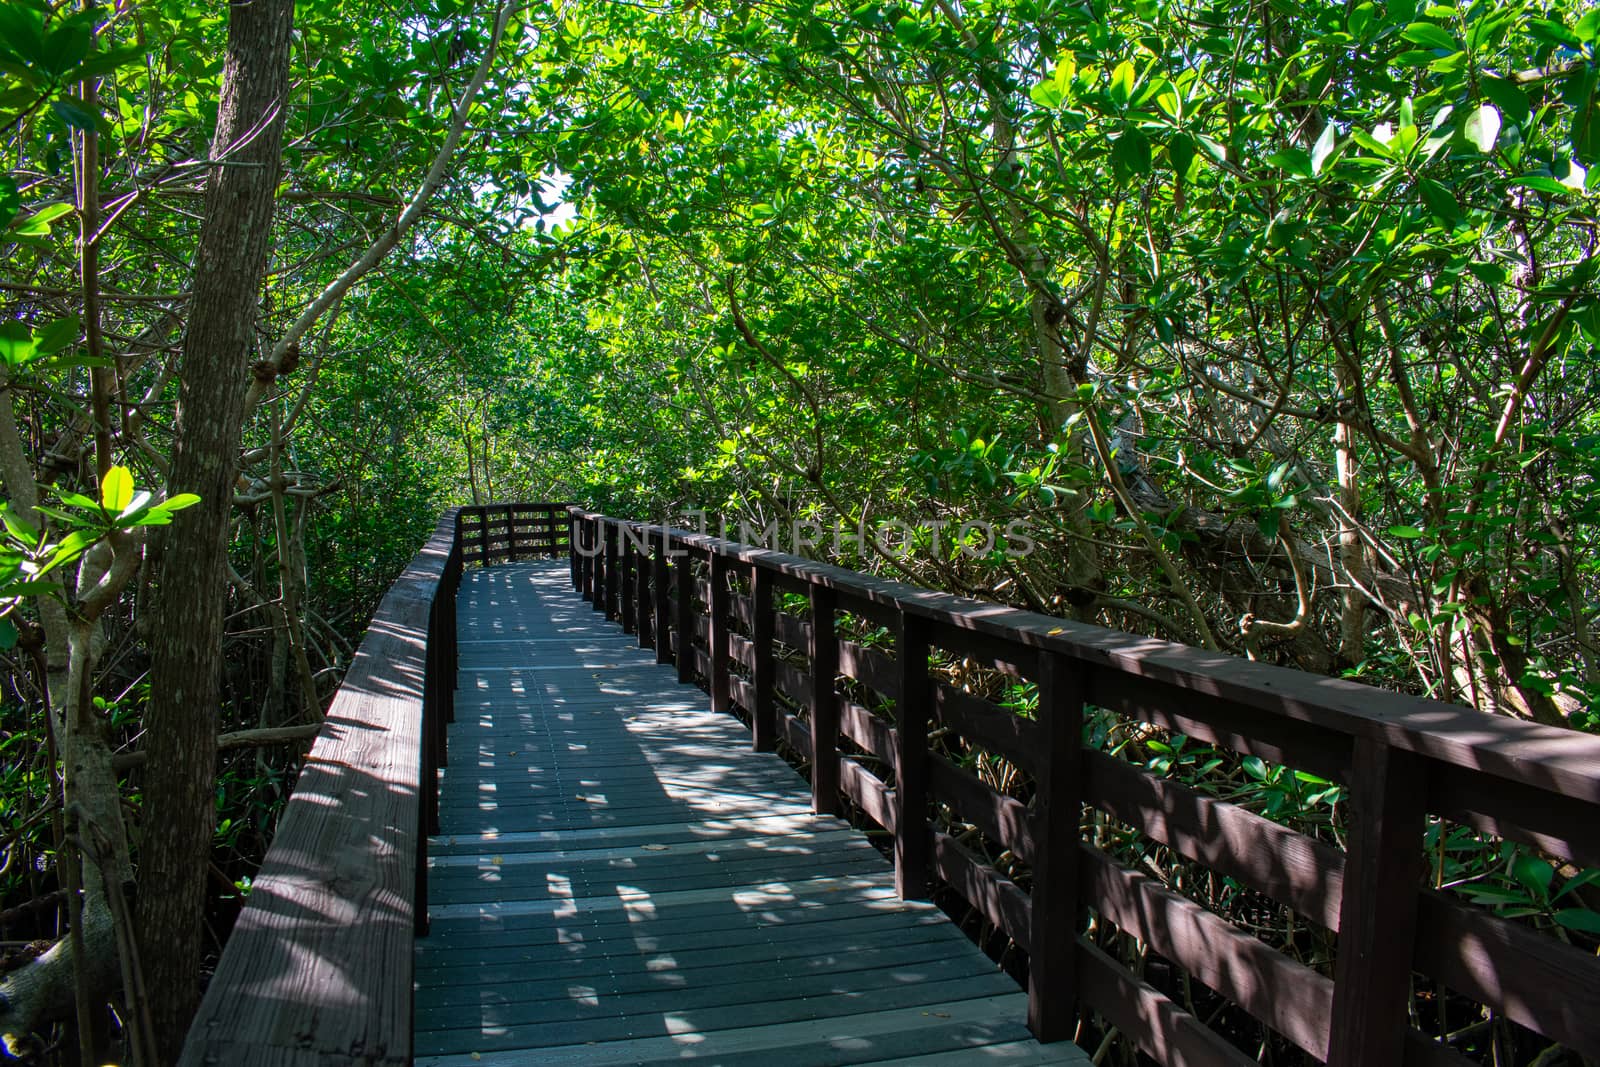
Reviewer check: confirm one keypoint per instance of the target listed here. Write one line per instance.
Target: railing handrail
(1402, 759)
(1549, 757)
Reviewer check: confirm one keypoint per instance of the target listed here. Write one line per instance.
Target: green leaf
(16, 344)
(1131, 151)
(22, 32)
(76, 500)
(10, 201)
(1324, 147)
(1405, 533)
(1554, 33)
(57, 335)
(8, 635)
(74, 115)
(177, 503)
(1580, 919)
(1428, 35)
(1482, 127)
(1360, 19)
(1534, 873)
(116, 489)
(1512, 101)
(1123, 79)
(1293, 160)
(38, 224)
(139, 503)
(1541, 183)
(1440, 201)
(71, 547)
(1254, 767)
(1180, 153)
(18, 527)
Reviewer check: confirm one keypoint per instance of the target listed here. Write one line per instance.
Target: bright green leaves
(1052, 91)
(1124, 79)
(1430, 36)
(1360, 20)
(1482, 127)
(1323, 150)
(116, 489)
(39, 223)
(29, 553)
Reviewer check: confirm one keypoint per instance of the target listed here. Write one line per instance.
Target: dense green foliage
(1274, 326)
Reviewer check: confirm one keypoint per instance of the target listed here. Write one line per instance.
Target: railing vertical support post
(717, 632)
(627, 589)
(662, 601)
(642, 592)
(683, 572)
(483, 535)
(824, 653)
(574, 559)
(511, 532)
(590, 543)
(602, 564)
(1058, 816)
(613, 539)
(1378, 910)
(913, 837)
(764, 716)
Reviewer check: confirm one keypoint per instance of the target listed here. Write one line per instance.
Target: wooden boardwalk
(620, 880)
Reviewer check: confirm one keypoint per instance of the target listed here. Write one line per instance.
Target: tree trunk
(186, 649)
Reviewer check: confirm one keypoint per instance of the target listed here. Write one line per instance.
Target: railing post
(627, 588)
(912, 837)
(824, 703)
(511, 532)
(602, 564)
(717, 632)
(683, 572)
(572, 552)
(587, 529)
(1057, 818)
(613, 541)
(1378, 909)
(764, 716)
(483, 535)
(662, 601)
(642, 618)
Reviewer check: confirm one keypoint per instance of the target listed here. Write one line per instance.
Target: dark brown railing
(318, 968)
(709, 606)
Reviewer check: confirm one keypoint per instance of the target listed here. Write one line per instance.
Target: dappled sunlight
(651, 886)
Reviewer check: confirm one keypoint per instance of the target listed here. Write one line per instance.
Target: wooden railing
(862, 717)
(318, 969)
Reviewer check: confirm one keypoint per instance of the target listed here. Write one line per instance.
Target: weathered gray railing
(1400, 759)
(318, 969)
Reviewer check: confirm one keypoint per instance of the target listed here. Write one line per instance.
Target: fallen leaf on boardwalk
(496, 860)
(1056, 630)
(654, 848)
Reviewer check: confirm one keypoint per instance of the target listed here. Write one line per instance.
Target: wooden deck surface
(620, 880)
